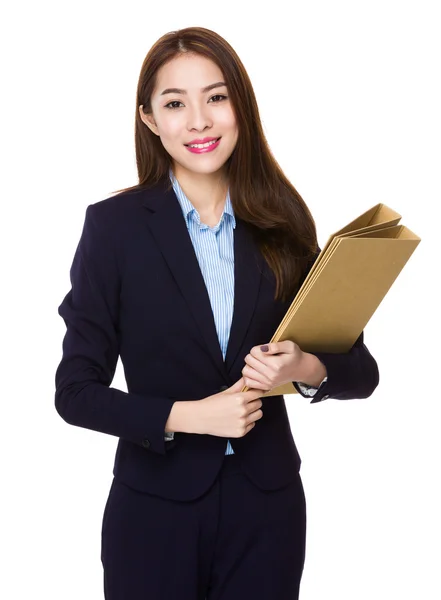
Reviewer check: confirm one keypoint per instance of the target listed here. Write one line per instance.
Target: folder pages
(346, 284)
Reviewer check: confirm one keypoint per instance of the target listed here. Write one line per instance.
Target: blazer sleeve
(350, 375)
(90, 349)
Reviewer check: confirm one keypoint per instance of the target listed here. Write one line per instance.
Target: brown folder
(346, 284)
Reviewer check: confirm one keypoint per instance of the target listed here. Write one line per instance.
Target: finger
(249, 427)
(269, 348)
(255, 384)
(287, 346)
(238, 385)
(256, 369)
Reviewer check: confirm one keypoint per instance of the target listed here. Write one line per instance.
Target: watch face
(310, 390)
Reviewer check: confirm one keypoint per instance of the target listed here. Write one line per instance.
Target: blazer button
(146, 443)
(223, 388)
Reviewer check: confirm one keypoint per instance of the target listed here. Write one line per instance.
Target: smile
(203, 148)
(203, 145)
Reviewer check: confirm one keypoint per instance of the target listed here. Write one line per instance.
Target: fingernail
(264, 348)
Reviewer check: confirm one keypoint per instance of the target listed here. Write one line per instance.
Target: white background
(349, 95)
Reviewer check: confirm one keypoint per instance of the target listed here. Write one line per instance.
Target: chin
(206, 165)
(208, 170)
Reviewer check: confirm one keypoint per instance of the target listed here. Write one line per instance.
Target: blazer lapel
(166, 222)
(248, 267)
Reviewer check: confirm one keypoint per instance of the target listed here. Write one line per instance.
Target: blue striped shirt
(214, 249)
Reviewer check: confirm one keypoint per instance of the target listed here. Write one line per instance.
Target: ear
(147, 119)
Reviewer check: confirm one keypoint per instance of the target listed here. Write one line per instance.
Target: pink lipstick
(211, 146)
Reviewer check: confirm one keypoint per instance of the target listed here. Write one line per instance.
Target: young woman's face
(180, 117)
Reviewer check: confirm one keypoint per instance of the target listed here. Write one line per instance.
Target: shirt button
(325, 397)
(146, 443)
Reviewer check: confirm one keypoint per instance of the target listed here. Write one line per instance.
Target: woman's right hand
(230, 413)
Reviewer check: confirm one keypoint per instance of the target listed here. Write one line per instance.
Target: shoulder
(123, 208)
(110, 222)
(118, 205)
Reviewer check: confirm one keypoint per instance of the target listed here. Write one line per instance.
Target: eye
(218, 96)
(221, 96)
(173, 102)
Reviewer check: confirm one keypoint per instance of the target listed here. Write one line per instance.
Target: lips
(207, 140)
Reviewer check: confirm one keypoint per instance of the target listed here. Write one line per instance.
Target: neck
(206, 191)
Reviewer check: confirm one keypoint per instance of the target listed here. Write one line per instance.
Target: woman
(186, 276)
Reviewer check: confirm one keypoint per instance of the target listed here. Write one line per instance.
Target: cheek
(170, 131)
(169, 124)
(229, 125)
(228, 120)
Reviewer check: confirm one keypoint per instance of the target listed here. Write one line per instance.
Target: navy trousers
(236, 542)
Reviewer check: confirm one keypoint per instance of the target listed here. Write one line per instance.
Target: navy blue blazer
(137, 292)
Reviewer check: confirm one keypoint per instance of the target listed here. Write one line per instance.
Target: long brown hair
(260, 193)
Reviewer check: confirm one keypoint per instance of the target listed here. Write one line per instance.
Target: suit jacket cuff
(308, 391)
(351, 375)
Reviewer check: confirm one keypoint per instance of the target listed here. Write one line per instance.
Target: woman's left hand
(280, 364)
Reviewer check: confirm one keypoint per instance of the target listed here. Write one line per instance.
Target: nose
(198, 118)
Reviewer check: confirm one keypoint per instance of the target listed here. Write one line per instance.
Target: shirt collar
(188, 208)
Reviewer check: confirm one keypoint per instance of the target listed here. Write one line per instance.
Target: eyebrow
(203, 90)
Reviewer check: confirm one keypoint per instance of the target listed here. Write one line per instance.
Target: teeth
(202, 145)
